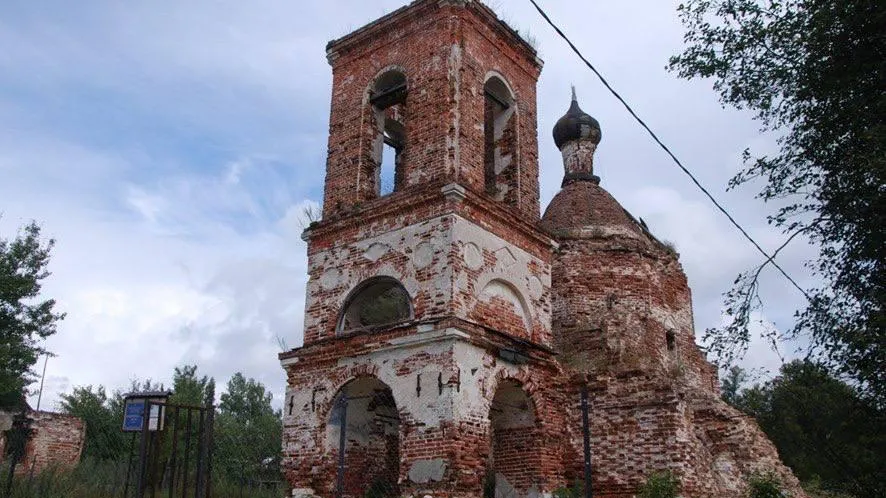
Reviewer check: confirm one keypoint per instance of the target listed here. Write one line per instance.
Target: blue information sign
(134, 411)
(133, 419)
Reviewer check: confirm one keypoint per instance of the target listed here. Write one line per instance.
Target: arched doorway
(367, 453)
(515, 441)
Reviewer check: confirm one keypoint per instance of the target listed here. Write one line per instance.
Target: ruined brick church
(450, 329)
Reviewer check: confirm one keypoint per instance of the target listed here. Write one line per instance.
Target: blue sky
(171, 147)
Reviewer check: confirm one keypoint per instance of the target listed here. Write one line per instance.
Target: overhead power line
(769, 259)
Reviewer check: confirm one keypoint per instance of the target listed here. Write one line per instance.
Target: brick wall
(447, 54)
(445, 262)
(56, 442)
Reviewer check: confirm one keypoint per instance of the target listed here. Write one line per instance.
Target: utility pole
(42, 378)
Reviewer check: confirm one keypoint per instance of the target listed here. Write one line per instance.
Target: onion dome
(576, 125)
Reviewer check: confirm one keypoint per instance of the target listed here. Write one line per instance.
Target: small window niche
(377, 303)
(671, 341)
(500, 141)
(388, 101)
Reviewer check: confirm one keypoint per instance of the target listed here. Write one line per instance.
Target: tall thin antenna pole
(42, 378)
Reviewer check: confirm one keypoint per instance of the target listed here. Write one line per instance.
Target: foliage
(103, 416)
(813, 489)
(90, 479)
(765, 486)
(248, 431)
(25, 319)
(191, 390)
(731, 384)
(247, 435)
(813, 71)
(97, 479)
(660, 485)
(823, 430)
(577, 490)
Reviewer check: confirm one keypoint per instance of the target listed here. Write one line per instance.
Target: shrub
(576, 490)
(765, 486)
(660, 485)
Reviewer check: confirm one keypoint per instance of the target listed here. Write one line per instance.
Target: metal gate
(174, 453)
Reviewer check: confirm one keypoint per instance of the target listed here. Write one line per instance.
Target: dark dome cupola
(577, 135)
(576, 125)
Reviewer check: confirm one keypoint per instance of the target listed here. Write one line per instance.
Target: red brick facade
(456, 325)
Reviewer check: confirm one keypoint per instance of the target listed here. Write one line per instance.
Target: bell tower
(432, 178)
(428, 306)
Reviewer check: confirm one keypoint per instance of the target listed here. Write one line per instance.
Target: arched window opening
(376, 303)
(671, 339)
(363, 432)
(500, 141)
(516, 440)
(388, 100)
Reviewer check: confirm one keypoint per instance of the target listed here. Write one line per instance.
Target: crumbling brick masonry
(55, 441)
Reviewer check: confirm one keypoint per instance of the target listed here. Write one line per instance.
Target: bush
(765, 486)
(660, 485)
(577, 490)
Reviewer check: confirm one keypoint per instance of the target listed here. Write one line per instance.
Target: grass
(91, 479)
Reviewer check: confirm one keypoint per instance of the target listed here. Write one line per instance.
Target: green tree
(813, 71)
(823, 430)
(248, 432)
(25, 318)
(190, 389)
(731, 385)
(103, 415)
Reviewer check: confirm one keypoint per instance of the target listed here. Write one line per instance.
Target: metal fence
(179, 461)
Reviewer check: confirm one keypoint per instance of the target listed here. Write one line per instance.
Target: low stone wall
(56, 441)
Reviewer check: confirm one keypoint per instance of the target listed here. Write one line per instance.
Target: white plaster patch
(303, 493)
(423, 255)
(472, 256)
(504, 258)
(331, 279)
(536, 288)
(376, 251)
(425, 471)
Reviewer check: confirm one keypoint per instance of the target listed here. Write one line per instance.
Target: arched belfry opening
(387, 99)
(380, 302)
(363, 437)
(515, 442)
(500, 141)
